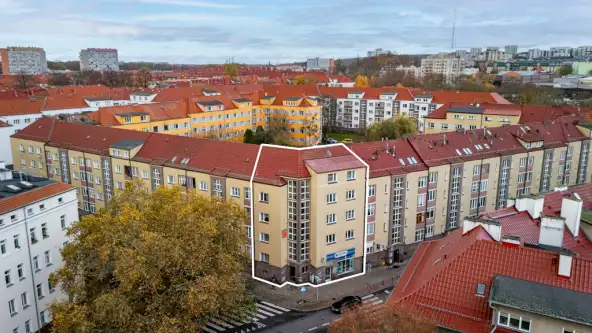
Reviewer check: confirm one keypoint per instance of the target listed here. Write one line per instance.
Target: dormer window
(143, 118)
(480, 289)
(116, 153)
(127, 119)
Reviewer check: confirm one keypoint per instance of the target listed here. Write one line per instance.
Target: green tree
(565, 70)
(339, 67)
(231, 70)
(434, 81)
(164, 262)
(248, 137)
(393, 128)
(391, 318)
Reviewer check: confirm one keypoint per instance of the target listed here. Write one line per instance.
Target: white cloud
(192, 3)
(11, 7)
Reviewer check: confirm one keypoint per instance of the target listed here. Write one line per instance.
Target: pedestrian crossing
(371, 300)
(232, 323)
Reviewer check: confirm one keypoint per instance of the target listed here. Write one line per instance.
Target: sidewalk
(292, 298)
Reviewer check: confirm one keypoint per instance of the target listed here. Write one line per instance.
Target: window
(422, 182)
(433, 177)
(263, 197)
(264, 217)
(203, 185)
(247, 193)
(419, 235)
(484, 184)
(264, 257)
(3, 248)
(63, 221)
(372, 190)
(331, 218)
(171, 179)
(513, 321)
(476, 170)
(25, 300)
(523, 162)
(421, 199)
(36, 263)
(331, 198)
(474, 186)
(351, 175)
(12, 307)
(429, 231)
(332, 178)
(431, 213)
(331, 239)
(350, 195)
(50, 286)
(44, 231)
(20, 271)
(60, 200)
(118, 168)
(47, 258)
(43, 317)
(144, 174)
(370, 229)
(17, 242)
(33, 235)
(431, 195)
(474, 203)
(263, 237)
(28, 326)
(8, 278)
(349, 235)
(350, 215)
(21, 147)
(482, 201)
(40, 291)
(372, 209)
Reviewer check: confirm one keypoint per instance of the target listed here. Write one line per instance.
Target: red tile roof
(443, 97)
(441, 278)
(369, 93)
(383, 163)
(340, 78)
(22, 106)
(331, 164)
(31, 196)
(157, 112)
(40, 130)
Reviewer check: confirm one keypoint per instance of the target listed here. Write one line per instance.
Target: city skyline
(199, 32)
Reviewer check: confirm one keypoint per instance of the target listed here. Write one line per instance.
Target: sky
(279, 31)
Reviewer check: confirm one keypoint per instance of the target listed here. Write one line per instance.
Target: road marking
(259, 310)
(367, 296)
(221, 329)
(275, 306)
(326, 324)
(221, 323)
(229, 320)
(269, 308)
(366, 301)
(387, 291)
(260, 316)
(235, 317)
(312, 329)
(208, 330)
(376, 302)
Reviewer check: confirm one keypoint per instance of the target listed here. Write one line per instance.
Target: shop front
(342, 262)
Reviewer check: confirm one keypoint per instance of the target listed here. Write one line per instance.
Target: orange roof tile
(31, 196)
(157, 112)
(23, 106)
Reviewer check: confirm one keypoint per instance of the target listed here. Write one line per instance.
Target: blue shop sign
(341, 254)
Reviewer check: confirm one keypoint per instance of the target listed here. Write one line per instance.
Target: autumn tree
(22, 80)
(362, 81)
(87, 78)
(434, 81)
(58, 79)
(311, 128)
(565, 70)
(390, 318)
(231, 70)
(143, 77)
(393, 128)
(164, 262)
(304, 79)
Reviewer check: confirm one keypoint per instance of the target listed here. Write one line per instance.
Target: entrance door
(293, 272)
(328, 274)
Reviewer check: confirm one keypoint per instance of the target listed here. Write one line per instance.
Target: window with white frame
(331, 239)
(217, 190)
(12, 307)
(331, 218)
(350, 214)
(474, 203)
(432, 195)
(263, 237)
(433, 177)
(349, 234)
(474, 186)
(476, 170)
(171, 179)
(429, 231)
(419, 235)
(331, 198)
(350, 195)
(422, 182)
(351, 174)
(372, 209)
(370, 228)
(247, 193)
(523, 162)
(332, 178)
(263, 197)
(520, 323)
(371, 190)
(264, 217)
(235, 191)
(484, 184)
(203, 185)
(421, 200)
(264, 257)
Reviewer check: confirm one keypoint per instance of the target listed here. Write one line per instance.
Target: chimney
(531, 203)
(571, 211)
(565, 260)
(551, 231)
(511, 241)
(493, 228)
(444, 140)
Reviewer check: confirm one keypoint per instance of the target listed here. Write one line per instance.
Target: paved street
(318, 321)
(267, 315)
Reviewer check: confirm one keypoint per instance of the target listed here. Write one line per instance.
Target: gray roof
(144, 93)
(357, 92)
(267, 97)
(542, 299)
(293, 98)
(210, 103)
(132, 114)
(31, 182)
(127, 144)
(388, 93)
(423, 96)
(466, 110)
(209, 91)
(96, 99)
(241, 100)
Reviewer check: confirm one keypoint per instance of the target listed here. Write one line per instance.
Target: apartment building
(416, 188)
(448, 65)
(99, 60)
(23, 60)
(34, 215)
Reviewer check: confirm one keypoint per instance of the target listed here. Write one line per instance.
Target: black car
(347, 302)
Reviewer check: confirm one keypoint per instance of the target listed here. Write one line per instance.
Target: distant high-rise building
(538, 53)
(443, 63)
(560, 52)
(475, 52)
(99, 60)
(23, 60)
(582, 51)
(492, 48)
(377, 52)
(511, 49)
(324, 64)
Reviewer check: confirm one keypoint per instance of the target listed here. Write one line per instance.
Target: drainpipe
(27, 237)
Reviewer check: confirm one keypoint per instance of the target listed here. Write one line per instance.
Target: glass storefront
(345, 266)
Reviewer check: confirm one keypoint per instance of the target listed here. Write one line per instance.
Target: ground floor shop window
(345, 266)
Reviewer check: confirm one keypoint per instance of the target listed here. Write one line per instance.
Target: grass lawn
(341, 136)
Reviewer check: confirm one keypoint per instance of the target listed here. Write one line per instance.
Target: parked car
(331, 141)
(347, 141)
(348, 302)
